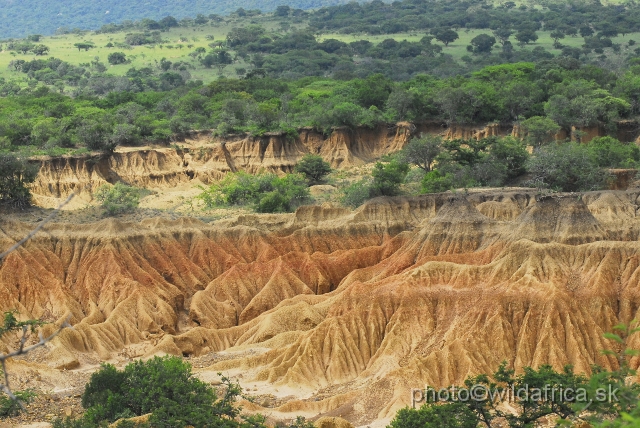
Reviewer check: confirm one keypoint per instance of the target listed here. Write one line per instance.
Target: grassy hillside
(458, 49)
(20, 18)
(179, 43)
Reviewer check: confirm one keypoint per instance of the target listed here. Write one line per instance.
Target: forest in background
(21, 18)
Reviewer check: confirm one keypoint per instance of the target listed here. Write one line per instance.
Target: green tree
(222, 59)
(524, 37)
(282, 11)
(454, 415)
(503, 34)
(540, 130)
(423, 151)
(24, 47)
(568, 167)
(445, 35)
(15, 175)
(608, 29)
(436, 182)
(84, 46)
(586, 31)
(168, 22)
(481, 44)
(116, 58)
(313, 167)
(164, 387)
(387, 177)
(608, 152)
(12, 406)
(40, 50)
(118, 199)
(628, 88)
(356, 193)
(512, 153)
(624, 410)
(200, 19)
(95, 135)
(556, 35)
(580, 103)
(457, 105)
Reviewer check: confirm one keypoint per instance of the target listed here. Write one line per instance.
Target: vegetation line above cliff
(567, 94)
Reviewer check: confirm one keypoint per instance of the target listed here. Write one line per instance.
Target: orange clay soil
(331, 312)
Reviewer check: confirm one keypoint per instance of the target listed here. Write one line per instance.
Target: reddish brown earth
(335, 312)
(203, 159)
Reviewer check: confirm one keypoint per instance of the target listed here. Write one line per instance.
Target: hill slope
(20, 18)
(339, 312)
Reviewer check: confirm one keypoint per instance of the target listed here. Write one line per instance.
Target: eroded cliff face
(351, 309)
(205, 159)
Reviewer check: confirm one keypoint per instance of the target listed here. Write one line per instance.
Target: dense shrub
(436, 182)
(356, 193)
(118, 199)
(313, 167)
(164, 387)
(512, 153)
(608, 152)
(453, 415)
(15, 175)
(387, 177)
(266, 193)
(486, 162)
(568, 167)
(115, 58)
(423, 151)
(95, 135)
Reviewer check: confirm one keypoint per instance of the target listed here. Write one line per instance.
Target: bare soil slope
(339, 313)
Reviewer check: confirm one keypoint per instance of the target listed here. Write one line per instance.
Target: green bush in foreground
(266, 193)
(451, 415)
(164, 387)
(118, 199)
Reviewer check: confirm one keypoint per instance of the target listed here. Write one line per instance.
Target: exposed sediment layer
(354, 307)
(205, 158)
